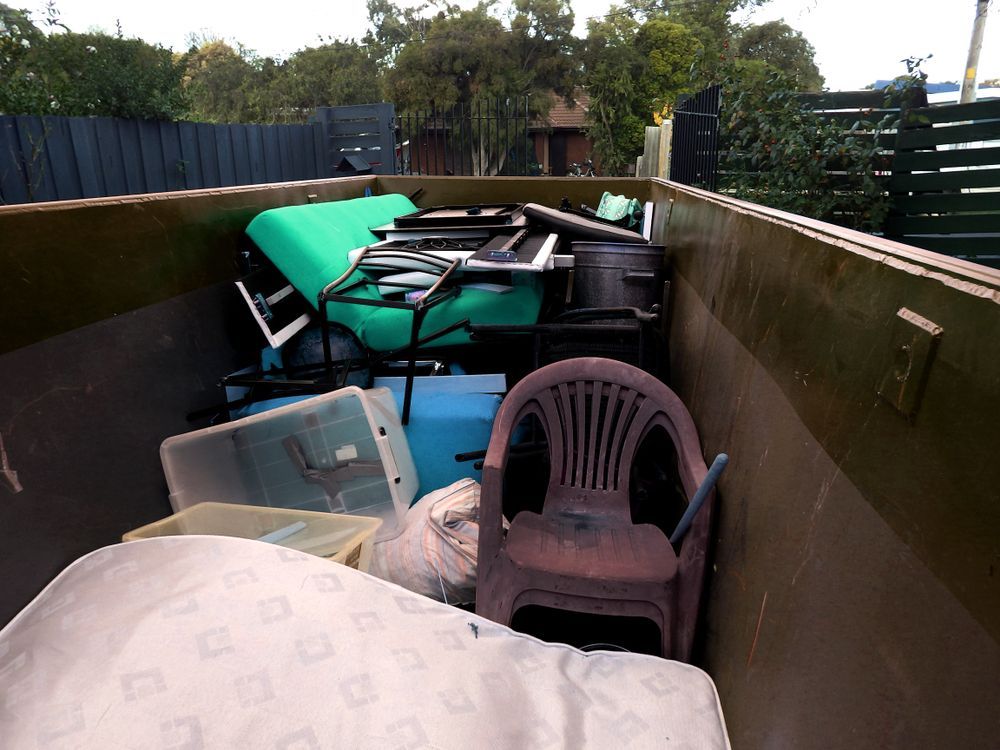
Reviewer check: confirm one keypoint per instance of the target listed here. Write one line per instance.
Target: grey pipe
(714, 471)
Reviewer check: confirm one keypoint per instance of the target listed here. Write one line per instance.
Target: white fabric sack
(435, 555)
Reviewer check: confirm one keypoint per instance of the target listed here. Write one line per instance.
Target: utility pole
(978, 27)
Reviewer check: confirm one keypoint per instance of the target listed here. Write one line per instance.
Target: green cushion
(309, 245)
(388, 329)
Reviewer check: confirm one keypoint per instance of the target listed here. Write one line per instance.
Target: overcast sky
(856, 41)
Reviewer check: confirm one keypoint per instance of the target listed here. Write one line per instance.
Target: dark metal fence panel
(694, 153)
(479, 138)
(64, 158)
(364, 130)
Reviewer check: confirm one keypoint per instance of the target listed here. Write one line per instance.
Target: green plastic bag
(626, 212)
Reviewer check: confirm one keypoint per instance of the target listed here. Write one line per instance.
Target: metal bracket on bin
(914, 343)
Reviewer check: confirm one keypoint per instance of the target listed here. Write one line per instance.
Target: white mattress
(214, 642)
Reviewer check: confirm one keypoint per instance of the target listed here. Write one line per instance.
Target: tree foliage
(461, 57)
(219, 81)
(84, 74)
(783, 48)
(710, 21)
(632, 69)
(777, 153)
(458, 56)
(329, 75)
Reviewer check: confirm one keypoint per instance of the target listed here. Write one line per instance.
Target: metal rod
(699, 497)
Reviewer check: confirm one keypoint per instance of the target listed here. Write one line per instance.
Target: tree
(21, 89)
(612, 66)
(783, 48)
(84, 74)
(632, 71)
(710, 21)
(777, 153)
(100, 74)
(461, 55)
(217, 79)
(668, 50)
(325, 76)
(391, 28)
(544, 47)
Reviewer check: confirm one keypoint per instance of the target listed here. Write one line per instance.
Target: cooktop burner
(442, 243)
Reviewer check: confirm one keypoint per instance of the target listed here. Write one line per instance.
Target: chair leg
(411, 365)
(497, 603)
(666, 635)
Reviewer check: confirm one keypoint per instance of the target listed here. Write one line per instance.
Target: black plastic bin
(610, 274)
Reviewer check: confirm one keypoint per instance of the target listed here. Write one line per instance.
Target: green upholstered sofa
(309, 244)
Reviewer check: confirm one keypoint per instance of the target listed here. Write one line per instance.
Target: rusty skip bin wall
(856, 384)
(855, 598)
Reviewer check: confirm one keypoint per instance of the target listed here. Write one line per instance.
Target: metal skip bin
(340, 452)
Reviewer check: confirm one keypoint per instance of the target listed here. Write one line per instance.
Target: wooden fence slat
(241, 154)
(843, 100)
(927, 137)
(297, 143)
(917, 161)
(173, 160)
(224, 154)
(35, 160)
(13, 188)
(272, 155)
(285, 155)
(984, 110)
(128, 137)
(936, 181)
(951, 245)
(352, 128)
(358, 111)
(255, 146)
(191, 155)
(937, 203)
(153, 161)
(350, 143)
(109, 147)
(320, 150)
(83, 136)
(945, 224)
(208, 150)
(59, 145)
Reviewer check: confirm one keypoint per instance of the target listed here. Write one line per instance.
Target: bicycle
(586, 169)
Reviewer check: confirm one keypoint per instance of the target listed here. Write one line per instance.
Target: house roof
(563, 116)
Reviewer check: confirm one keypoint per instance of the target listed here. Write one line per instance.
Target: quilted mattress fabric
(215, 642)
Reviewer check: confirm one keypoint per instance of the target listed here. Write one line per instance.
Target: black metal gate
(478, 139)
(694, 152)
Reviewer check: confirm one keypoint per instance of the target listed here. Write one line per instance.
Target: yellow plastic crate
(341, 538)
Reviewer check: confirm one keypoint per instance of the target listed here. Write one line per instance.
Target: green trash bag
(626, 212)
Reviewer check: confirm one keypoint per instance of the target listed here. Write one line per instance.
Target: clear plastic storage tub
(344, 539)
(340, 452)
